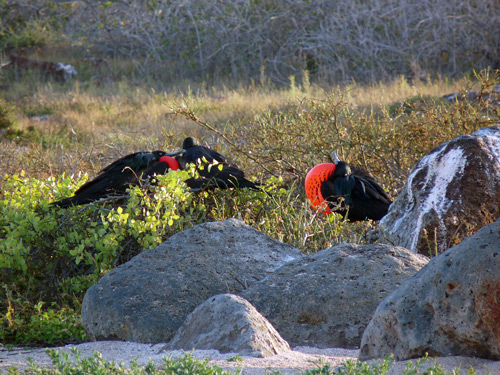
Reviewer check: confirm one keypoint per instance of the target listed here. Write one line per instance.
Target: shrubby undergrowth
(53, 255)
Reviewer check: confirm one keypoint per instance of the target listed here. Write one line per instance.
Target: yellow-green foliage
(34, 233)
(25, 323)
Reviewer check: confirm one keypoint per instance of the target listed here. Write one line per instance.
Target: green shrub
(351, 367)
(53, 255)
(25, 323)
(44, 243)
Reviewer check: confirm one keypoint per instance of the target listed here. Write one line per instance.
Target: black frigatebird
(119, 175)
(214, 169)
(349, 191)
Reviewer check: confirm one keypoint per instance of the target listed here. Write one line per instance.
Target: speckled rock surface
(229, 324)
(450, 307)
(328, 298)
(148, 298)
(451, 193)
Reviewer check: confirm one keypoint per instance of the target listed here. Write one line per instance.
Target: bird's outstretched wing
(115, 178)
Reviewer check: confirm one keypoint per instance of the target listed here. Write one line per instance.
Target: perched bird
(119, 175)
(349, 191)
(214, 169)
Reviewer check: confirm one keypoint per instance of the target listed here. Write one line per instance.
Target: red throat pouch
(314, 179)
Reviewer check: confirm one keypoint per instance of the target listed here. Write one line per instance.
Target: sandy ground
(293, 362)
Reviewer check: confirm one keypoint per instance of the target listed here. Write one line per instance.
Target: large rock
(451, 193)
(229, 324)
(148, 298)
(327, 299)
(450, 307)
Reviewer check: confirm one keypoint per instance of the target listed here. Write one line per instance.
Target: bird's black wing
(370, 189)
(369, 200)
(113, 179)
(363, 198)
(214, 169)
(119, 174)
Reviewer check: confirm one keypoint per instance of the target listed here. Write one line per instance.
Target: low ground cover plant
(65, 364)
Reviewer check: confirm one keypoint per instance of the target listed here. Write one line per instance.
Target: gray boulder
(328, 298)
(229, 324)
(450, 307)
(451, 193)
(148, 298)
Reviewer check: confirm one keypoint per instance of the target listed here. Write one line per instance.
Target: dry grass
(385, 94)
(82, 127)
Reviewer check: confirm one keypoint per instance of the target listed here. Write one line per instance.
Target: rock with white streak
(450, 194)
(229, 324)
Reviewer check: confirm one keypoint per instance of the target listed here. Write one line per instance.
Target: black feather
(354, 193)
(116, 178)
(214, 169)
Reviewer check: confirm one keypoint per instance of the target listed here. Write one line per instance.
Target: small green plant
(187, 365)
(236, 358)
(63, 364)
(382, 367)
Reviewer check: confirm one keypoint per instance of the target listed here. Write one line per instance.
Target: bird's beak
(335, 158)
(173, 153)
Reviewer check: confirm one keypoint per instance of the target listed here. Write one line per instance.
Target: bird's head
(315, 177)
(342, 169)
(188, 143)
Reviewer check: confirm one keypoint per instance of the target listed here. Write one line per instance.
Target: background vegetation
(273, 91)
(335, 41)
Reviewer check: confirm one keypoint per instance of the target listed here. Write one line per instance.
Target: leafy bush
(351, 367)
(25, 323)
(41, 240)
(53, 255)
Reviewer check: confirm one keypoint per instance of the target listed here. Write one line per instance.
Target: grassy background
(275, 125)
